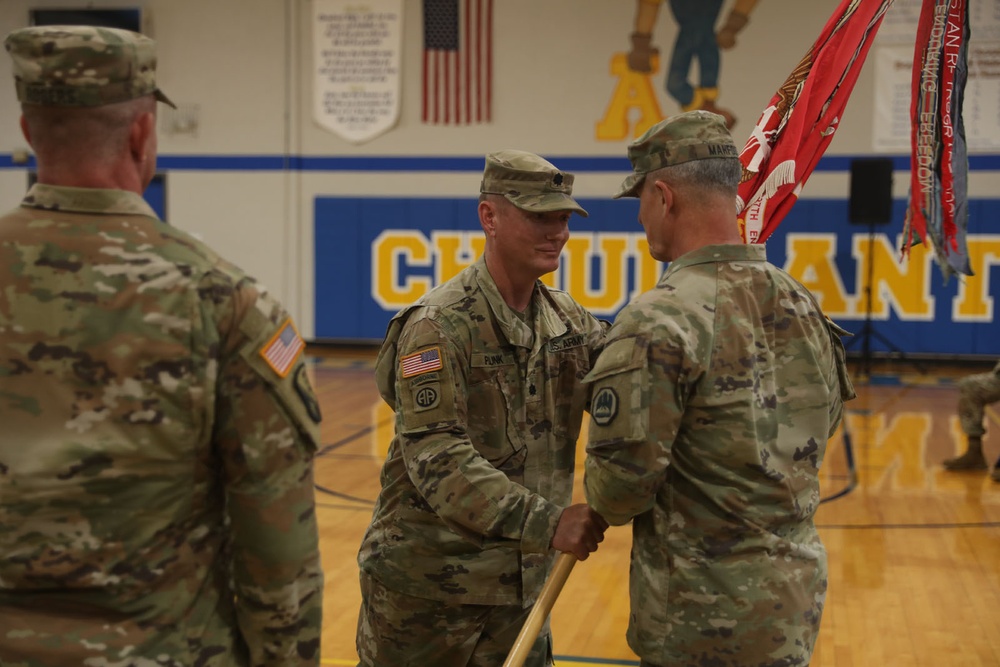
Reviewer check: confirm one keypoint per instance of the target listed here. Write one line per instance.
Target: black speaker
(871, 191)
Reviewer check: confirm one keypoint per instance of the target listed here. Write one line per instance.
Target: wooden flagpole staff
(543, 606)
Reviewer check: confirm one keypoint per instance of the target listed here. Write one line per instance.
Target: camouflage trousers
(975, 393)
(397, 630)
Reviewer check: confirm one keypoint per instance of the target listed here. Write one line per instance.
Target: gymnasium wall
(345, 233)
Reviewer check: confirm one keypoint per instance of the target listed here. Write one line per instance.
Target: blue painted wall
(346, 229)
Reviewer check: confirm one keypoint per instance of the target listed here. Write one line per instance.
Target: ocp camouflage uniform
(488, 411)
(975, 393)
(157, 502)
(712, 405)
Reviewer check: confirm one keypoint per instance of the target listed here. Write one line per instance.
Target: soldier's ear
(488, 217)
(140, 131)
(664, 196)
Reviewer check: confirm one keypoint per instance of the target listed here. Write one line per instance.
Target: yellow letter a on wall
(633, 90)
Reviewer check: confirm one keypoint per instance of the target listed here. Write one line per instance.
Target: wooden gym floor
(914, 551)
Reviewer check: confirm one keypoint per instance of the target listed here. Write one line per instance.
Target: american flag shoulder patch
(283, 349)
(424, 361)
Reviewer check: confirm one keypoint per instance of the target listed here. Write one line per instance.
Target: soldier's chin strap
(543, 606)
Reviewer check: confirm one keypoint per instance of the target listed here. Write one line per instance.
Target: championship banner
(356, 71)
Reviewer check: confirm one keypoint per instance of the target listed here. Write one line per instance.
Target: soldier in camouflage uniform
(158, 424)
(485, 373)
(712, 405)
(975, 393)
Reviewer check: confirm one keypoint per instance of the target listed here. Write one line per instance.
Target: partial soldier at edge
(159, 424)
(975, 392)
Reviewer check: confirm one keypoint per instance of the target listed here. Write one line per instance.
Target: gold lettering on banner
(810, 260)
(389, 289)
(605, 270)
(905, 286)
(973, 302)
(446, 253)
(455, 251)
(609, 249)
(647, 270)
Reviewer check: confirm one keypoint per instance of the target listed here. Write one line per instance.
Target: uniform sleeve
(841, 379)
(266, 434)
(629, 443)
(468, 492)
(598, 337)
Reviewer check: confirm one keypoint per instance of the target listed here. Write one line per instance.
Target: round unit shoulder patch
(605, 406)
(305, 392)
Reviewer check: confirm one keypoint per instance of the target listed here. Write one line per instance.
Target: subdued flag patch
(424, 361)
(284, 348)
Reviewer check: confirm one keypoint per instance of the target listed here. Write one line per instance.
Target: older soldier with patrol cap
(158, 425)
(712, 405)
(485, 373)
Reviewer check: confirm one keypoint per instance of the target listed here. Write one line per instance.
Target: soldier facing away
(485, 374)
(713, 402)
(158, 424)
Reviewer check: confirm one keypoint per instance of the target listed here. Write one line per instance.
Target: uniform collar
(546, 313)
(733, 252)
(86, 200)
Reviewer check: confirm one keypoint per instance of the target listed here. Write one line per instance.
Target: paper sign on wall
(356, 70)
(894, 67)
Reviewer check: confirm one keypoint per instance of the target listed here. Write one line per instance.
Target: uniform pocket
(489, 421)
(840, 357)
(566, 370)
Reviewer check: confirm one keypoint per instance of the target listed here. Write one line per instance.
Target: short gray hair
(719, 174)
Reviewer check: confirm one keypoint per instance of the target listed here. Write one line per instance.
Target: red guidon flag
(798, 123)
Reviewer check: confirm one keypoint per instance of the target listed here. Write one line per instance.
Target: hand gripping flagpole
(543, 606)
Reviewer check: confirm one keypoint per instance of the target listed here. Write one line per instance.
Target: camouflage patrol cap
(529, 182)
(695, 135)
(82, 66)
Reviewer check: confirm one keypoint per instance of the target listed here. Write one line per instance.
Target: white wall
(247, 67)
(551, 80)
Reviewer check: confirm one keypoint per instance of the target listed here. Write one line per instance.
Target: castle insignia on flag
(283, 349)
(421, 362)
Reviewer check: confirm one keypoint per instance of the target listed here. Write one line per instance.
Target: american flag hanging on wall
(458, 61)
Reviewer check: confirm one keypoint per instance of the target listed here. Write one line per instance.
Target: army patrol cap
(529, 182)
(82, 66)
(695, 135)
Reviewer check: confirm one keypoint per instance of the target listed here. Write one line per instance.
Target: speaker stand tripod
(867, 330)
